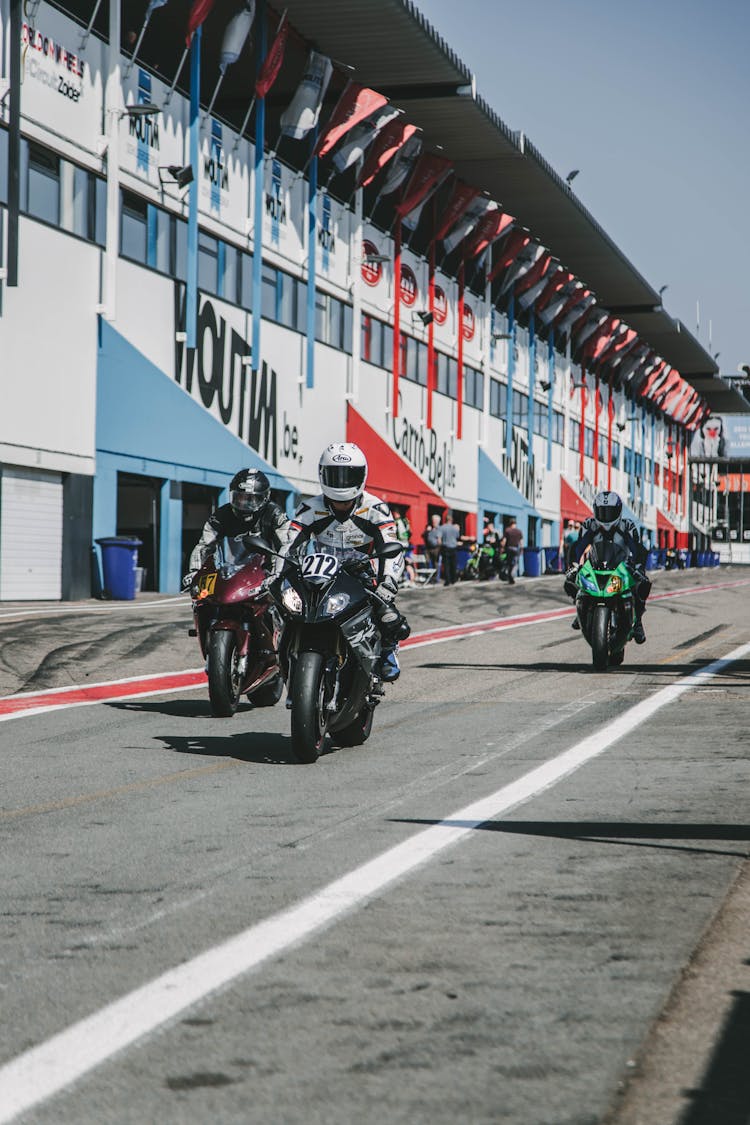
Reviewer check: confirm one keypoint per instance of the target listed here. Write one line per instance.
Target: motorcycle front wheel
(308, 701)
(223, 673)
(600, 637)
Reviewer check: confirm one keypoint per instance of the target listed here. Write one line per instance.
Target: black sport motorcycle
(330, 648)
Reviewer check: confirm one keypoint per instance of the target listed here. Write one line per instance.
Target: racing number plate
(208, 582)
(319, 566)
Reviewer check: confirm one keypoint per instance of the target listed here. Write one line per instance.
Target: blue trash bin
(532, 561)
(553, 560)
(119, 560)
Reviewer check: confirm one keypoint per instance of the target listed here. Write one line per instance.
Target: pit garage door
(31, 528)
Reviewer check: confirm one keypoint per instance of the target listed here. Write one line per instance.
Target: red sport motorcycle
(237, 628)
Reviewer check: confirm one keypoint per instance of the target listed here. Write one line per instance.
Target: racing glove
(570, 586)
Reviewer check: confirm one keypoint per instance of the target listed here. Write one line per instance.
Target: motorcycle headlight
(291, 600)
(336, 603)
(614, 586)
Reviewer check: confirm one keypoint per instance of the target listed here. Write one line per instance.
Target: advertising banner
(722, 437)
(63, 88)
(153, 140)
(333, 239)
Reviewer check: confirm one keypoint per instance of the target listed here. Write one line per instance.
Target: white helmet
(343, 471)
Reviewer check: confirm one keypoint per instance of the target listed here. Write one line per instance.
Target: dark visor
(607, 513)
(343, 476)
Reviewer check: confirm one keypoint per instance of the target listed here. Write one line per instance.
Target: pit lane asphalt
(510, 980)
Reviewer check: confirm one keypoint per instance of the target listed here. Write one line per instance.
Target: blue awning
(498, 494)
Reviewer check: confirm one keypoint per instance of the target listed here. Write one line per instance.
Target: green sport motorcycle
(605, 602)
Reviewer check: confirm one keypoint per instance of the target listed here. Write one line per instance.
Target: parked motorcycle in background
(235, 625)
(330, 648)
(605, 602)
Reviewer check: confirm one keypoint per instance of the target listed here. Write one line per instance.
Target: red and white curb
(84, 695)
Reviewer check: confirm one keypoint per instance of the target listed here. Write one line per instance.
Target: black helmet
(249, 490)
(607, 509)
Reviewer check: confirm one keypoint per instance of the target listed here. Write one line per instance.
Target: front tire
(358, 731)
(600, 638)
(223, 673)
(308, 725)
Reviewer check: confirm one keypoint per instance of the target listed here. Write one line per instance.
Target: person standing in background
(512, 541)
(432, 543)
(450, 535)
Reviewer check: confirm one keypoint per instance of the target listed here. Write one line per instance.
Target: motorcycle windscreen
(607, 554)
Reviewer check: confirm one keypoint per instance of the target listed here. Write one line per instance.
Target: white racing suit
(365, 529)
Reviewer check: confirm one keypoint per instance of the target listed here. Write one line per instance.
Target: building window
(43, 192)
(520, 410)
(208, 263)
(133, 228)
(498, 398)
(473, 387)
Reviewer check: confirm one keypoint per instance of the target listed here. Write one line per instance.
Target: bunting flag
(670, 384)
(429, 172)
(302, 113)
(152, 6)
(237, 31)
(386, 144)
(198, 12)
(631, 364)
(411, 221)
(355, 104)
(590, 324)
(533, 280)
(463, 195)
(402, 166)
(466, 224)
(489, 229)
(556, 296)
(579, 301)
(518, 241)
(557, 282)
(656, 378)
(597, 340)
(361, 137)
(523, 262)
(624, 344)
(269, 71)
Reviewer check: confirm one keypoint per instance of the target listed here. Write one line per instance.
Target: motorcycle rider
(608, 521)
(250, 511)
(344, 520)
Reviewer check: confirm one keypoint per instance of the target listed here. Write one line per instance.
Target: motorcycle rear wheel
(308, 690)
(358, 731)
(600, 638)
(223, 675)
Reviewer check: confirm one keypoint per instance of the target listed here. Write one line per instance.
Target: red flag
(198, 13)
(385, 146)
(517, 242)
(269, 71)
(356, 103)
(536, 273)
(554, 287)
(489, 228)
(428, 172)
(645, 389)
(600, 337)
(462, 196)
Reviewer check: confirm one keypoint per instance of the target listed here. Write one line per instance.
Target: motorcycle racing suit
(269, 522)
(627, 533)
(363, 528)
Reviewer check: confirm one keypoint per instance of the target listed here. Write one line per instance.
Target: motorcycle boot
(389, 668)
(393, 628)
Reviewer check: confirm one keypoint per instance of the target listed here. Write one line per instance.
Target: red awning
(572, 507)
(663, 523)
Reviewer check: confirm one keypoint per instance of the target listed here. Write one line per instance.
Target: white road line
(107, 607)
(43, 1071)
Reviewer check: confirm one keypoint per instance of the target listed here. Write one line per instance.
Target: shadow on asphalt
(626, 833)
(739, 671)
(724, 1095)
(244, 746)
(178, 708)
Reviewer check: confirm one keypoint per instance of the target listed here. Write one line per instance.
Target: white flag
(402, 165)
(573, 314)
(550, 311)
(476, 210)
(302, 113)
(361, 137)
(237, 31)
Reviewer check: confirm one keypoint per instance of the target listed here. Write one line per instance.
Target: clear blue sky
(650, 99)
